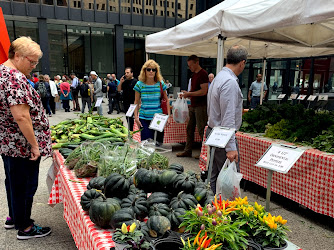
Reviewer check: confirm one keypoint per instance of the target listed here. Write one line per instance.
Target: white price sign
(311, 98)
(280, 158)
(130, 111)
(301, 97)
(293, 96)
(219, 137)
(98, 102)
(281, 96)
(159, 122)
(323, 98)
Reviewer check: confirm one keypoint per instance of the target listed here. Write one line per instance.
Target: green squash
(101, 212)
(183, 200)
(209, 200)
(158, 225)
(136, 191)
(159, 209)
(158, 197)
(88, 197)
(144, 229)
(124, 215)
(146, 180)
(96, 183)
(178, 168)
(202, 192)
(185, 182)
(175, 217)
(116, 185)
(167, 179)
(138, 205)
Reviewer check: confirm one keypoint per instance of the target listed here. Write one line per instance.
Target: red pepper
(128, 228)
(207, 243)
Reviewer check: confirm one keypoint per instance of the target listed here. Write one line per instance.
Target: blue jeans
(254, 102)
(147, 133)
(21, 184)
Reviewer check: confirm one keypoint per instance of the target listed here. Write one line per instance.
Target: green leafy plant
(130, 236)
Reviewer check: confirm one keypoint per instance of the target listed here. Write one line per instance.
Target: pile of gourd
(158, 197)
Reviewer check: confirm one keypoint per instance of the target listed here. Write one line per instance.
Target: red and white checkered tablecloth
(173, 133)
(85, 234)
(310, 182)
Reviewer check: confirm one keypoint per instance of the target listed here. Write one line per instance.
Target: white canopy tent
(267, 28)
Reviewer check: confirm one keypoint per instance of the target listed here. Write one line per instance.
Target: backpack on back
(104, 87)
(84, 90)
(41, 89)
(112, 87)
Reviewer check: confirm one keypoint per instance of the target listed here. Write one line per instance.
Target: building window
(191, 6)
(161, 3)
(90, 6)
(179, 6)
(167, 13)
(162, 13)
(173, 5)
(167, 4)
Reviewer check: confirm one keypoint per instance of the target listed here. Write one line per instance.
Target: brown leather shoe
(184, 154)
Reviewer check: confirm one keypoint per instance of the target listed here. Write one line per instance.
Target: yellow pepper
(132, 227)
(124, 229)
(184, 244)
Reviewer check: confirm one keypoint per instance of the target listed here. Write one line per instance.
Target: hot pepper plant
(230, 222)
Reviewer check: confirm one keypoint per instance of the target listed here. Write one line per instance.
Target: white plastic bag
(180, 110)
(228, 181)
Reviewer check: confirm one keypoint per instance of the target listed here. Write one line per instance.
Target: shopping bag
(228, 181)
(180, 110)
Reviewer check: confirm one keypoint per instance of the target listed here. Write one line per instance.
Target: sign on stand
(301, 97)
(311, 98)
(323, 98)
(218, 137)
(98, 102)
(131, 110)
(293, 96)
(159, 122)
(279, 158)
(280, 97)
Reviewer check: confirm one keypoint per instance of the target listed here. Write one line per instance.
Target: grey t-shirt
(256, 88)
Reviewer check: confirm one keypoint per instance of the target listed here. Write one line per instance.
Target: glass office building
(109, 35)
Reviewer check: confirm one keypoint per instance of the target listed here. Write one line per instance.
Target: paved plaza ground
(309, 230)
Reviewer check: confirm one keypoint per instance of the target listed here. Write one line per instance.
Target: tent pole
(220, 53)
(263, 74)
(263, 77)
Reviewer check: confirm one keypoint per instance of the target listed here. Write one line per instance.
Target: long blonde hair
(150, 64)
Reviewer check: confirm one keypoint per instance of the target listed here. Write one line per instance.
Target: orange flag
(4, 39)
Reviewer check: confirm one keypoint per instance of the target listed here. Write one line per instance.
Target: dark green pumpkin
(208, 200)
(183, 200)
(144, 229)
(138, 205)
(146, 180)
(158, 197)
(136, 191)
(97, 183)
(124, 215)
(167, 179)
(101, 212)
(202, 192)
(185, 182)
(178, 168)
(158, 225)
(175, 217)
(116, 185)
(159, 209)
(88, 197)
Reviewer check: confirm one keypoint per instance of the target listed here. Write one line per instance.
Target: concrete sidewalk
(309, 231)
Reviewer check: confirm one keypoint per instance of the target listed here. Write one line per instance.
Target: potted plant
(215, 222)
(130, 237)
(265, 229)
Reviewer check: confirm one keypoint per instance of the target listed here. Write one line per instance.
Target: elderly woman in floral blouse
(24, 136)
